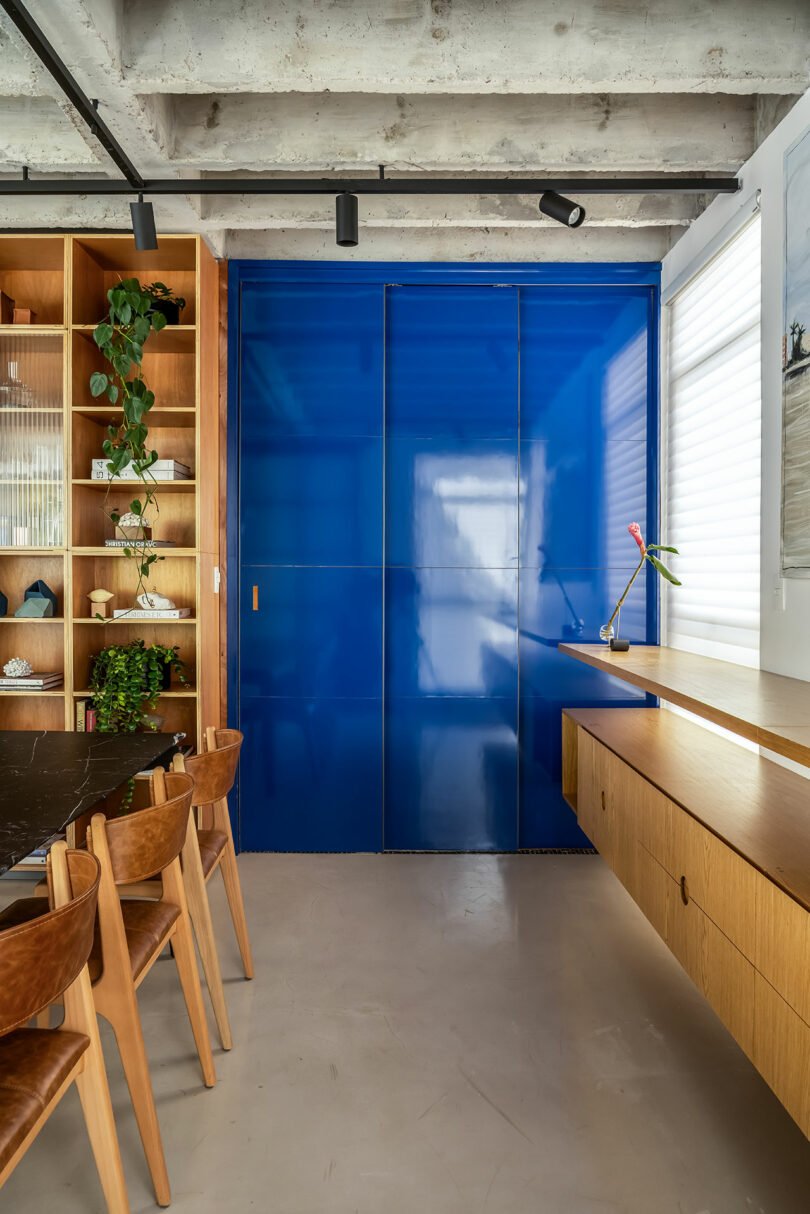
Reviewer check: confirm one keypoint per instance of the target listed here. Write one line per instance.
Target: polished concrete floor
(442, 1035)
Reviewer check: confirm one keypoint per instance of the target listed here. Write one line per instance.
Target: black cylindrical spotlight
(562, 209)
(143, 224)
(346, 220)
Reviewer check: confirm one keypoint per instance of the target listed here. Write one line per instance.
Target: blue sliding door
(311, 592)
(435, 482)
(451, 579)
(584, 401)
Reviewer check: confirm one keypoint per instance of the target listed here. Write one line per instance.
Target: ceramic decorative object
(152, 601)
(41, 590)
(35, 608)
(98, 602)
(133, 527)
(3, 604)
(17, 668)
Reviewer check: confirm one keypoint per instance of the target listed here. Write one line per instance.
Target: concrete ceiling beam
(529, 133)
(466, 46)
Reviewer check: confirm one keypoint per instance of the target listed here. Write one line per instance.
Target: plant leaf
(662, 548)
(98, 383)
(158, 321)
(662, 569)
(102, 334)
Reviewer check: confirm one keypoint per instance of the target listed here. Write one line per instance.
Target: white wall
(785, 630)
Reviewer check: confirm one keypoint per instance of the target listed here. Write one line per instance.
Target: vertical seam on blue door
(384, 571)
(519, 732)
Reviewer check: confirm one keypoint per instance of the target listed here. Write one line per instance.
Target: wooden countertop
(759, 808)
(769, 709)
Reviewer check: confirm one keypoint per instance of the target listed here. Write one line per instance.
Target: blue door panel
(318, 501)
(311, 362)
(451, 632)
(451, 774)
(584, 361)
(317, 632)
(451, 361)
(312, 770)
(451, 501)
(576, 500)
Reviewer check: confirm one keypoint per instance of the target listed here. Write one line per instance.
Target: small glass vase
(607, 632)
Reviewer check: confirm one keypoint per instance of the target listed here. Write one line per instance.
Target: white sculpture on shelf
(150, 600)
(17, 668)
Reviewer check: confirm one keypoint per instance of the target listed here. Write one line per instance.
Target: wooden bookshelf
(64, 278)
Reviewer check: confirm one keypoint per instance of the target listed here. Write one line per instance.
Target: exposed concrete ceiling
(490, 87)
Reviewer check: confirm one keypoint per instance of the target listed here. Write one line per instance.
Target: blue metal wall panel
(480, 560)
(452, 606)
(311, 544)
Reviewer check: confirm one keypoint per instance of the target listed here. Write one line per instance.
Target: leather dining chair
(132, 934)
(214, 772)
(44, 959)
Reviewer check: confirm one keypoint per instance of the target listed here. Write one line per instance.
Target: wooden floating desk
(710, 840)
(769, 709)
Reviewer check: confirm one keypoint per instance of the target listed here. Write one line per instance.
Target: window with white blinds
(711, 455)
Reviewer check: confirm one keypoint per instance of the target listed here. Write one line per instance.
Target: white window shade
(711, 456)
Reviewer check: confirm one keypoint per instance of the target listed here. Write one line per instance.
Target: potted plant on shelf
(126, 681)
(163, 301)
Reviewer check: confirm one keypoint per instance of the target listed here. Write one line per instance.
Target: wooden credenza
(713, 843)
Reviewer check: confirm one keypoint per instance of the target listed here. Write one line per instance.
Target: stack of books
(161, 470)
(31, 682)
(85, 716)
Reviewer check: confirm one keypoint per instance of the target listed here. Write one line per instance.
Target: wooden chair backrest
(142, 844)
(40, 959)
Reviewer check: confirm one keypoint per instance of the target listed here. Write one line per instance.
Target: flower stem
(618, 606)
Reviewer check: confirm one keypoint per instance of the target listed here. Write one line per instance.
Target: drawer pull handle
(255, 598)
(604, 806)
(684, 892)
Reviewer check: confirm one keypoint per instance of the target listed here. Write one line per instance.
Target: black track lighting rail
(40, 45)
(674, 183)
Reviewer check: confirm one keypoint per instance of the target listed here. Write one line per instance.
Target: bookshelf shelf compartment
(65, 278)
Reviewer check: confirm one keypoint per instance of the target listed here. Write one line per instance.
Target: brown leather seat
(44, 948)
(145, 925)
(34, 1063)
(212, 844)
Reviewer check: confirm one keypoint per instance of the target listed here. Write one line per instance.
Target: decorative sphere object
(150, 600)
(17, 668)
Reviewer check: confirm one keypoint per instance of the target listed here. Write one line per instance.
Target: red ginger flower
(635, 531)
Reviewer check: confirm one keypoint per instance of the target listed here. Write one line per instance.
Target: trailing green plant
(121, 338)
(126, 681)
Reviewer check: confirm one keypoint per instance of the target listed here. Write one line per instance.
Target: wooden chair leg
(94, 1094)
(200, 912)
(126, 1024)
(233, 890)
(186, 960)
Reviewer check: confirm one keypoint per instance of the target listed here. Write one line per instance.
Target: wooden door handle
(255, 598)
(604, 803)
(684, 891)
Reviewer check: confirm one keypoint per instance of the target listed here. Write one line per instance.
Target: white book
(154, 613)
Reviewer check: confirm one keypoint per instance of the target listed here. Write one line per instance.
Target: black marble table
(48, 779)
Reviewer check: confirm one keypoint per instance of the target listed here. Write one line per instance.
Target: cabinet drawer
(782, 944)
(721, 882)
(782, 1051)
(719, 970)
(592, 793)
